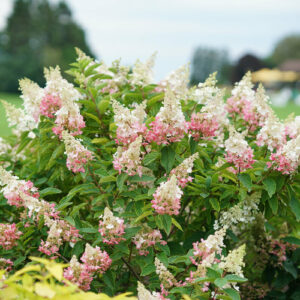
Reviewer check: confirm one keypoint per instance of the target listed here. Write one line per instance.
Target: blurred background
(227, 36)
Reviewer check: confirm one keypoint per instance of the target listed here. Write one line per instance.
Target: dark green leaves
(49, 191)
(295, 206)
(270, 186)
(245, 180)
(167, 158)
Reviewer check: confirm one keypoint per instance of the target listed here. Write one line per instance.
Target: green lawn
(13, 99)
(282, 112)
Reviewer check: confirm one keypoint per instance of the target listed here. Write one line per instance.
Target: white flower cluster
(244, 88)
(142, 73)
(17, 117)
(272, 133)
(177, 81)
(239, 215)
(234, 261)
(171, 112)
(207, 90)
(167, 279)
(56, 85)
(4, 147)
(236, 142)
(144, 294)
(32, 96)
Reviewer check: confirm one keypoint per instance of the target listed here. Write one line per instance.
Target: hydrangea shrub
(149, 188)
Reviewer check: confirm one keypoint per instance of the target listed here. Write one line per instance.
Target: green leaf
(233, 294)
(292, 240)
(273, 202)
(270, 186)
(235, 278)
(143, 178)
(167, 158)
(148, 270)
(176, 224)
(88, 230)
(120, 181)
(144, 215)
(215, 204)
(150, 157)
(49, 191)
(295, 206)
(220, 282)
(245, 180)
(108, 179)
(167, 223)
(290, 268)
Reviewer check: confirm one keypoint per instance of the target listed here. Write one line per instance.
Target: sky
(131, 29)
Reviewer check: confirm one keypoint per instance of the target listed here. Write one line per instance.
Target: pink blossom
(9, 235)
(95, 260)
(5, 264)
(49, 105)
(167, 197)
(164, 133)
(241, 161)
(146, 239)
(13, 191)
(111, 228)
(202, 126)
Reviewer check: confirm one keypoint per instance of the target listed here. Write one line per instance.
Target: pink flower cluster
(167, 197)
(136, 130)
(9, 235)
(60, 231)
(111, 228)
(164, 133)
(202, 126)
(77, 160)
(129, 159)
(242, 161)
(280, 249)
(71, 122)
(12, 192)
(146, 239)
(5, 264)
(281, 163)
(94, 261)
(49, 105)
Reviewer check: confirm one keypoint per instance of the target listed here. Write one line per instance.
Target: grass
(282, 112)
(13, 99)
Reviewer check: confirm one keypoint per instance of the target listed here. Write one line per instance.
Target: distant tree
(206, 61)
(246, 63)
(37, 34)
(287, 48)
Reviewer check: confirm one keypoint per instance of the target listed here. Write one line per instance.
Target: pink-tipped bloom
(5, 264)
(169, 125)
(129, 122)
(147, 238)
(286, 159)
(238, 152)
(202, 126)
(60, 231)
(68, 118)
(129, 159)
(15, 188)
(167, 197)
(77, 155)
(49, 105)
(95, 260)
(9, 235)
(184, 169)
(78, 274)
(111, 228)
